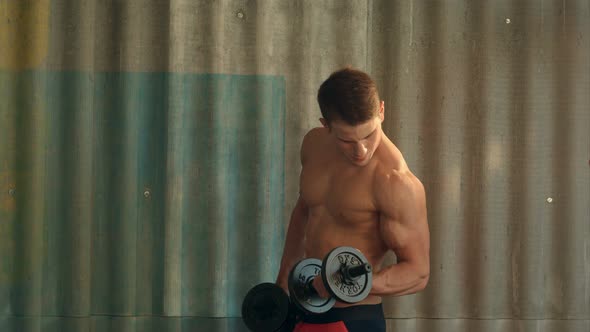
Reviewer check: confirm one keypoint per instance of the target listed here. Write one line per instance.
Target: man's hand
(318, 285)
(283, 285)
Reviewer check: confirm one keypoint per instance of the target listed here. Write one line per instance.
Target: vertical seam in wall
(368, 63)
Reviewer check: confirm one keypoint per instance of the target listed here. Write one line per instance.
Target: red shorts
(365, 318)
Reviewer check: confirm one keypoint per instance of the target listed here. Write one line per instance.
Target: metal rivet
(507, 21)
(549, 199)
(240, 15)
(146, 194)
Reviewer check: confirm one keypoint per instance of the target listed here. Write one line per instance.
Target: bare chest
(341, 192)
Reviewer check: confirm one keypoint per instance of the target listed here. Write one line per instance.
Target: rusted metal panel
(149, 154)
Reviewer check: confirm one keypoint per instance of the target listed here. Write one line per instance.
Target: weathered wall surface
(149, 155)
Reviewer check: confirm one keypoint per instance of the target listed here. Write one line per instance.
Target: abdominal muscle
(361, 231)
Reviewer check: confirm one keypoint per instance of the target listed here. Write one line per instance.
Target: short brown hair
(349, 95)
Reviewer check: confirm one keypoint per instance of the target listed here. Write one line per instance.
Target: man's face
(358, 143)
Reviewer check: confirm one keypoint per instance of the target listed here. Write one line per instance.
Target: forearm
(294, 248)
(399, 279)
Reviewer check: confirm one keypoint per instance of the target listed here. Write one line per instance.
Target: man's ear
(382, 111)
(324, 123)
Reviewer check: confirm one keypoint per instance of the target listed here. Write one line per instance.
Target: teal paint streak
(230, 121)
(212, 143)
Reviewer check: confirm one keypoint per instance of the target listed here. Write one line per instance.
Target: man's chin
(360, 162)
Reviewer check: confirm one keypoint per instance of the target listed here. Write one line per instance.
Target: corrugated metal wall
(149, 155)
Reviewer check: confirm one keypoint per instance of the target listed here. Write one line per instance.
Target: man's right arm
(294, 249)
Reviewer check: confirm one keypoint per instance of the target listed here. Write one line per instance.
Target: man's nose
(360, 149)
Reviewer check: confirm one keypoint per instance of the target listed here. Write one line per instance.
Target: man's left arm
(401, 200)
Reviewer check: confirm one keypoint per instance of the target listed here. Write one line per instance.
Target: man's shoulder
(399, 180)
(313, 137)
(392, 175)
(397, 190)
(315, 134)
(311, 141)
(390, 163)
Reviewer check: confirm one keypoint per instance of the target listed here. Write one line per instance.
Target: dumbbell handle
(352, 272)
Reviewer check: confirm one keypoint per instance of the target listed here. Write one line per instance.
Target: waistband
(357, 312)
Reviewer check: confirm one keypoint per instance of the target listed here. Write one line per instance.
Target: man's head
(353, 113)
(350, 96)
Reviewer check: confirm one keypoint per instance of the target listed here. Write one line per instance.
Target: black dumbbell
(303, 294)
(346, 274)
(266, 308)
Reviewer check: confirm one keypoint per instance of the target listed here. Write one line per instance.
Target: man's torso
(340, 200)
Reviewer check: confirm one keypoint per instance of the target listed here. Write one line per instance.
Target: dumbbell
(303, 294)
(345, 272)
(266, 308)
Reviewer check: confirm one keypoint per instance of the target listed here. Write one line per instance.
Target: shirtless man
(357, 190)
